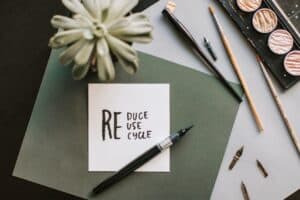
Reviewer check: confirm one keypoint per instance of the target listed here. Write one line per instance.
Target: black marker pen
(141, 160)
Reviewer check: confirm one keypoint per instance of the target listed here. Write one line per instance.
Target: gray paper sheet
(54, 150)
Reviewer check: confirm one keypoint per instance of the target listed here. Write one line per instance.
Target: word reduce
(134, 123)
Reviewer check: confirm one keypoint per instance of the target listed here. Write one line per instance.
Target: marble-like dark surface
(292, 10)
(258, 41)
(24, 54)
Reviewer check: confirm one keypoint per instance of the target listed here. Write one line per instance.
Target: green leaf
(83, 21)
(105, 67)
(94, 7)
(126, 21)
(130, 66)
(64, 38)
(135, 28)
(67, 56)
(63, 22)
(84, 54)
(79, 72)
(119, 8)
(121, 48)
(126, 55)
(105, 4)
(76, 6)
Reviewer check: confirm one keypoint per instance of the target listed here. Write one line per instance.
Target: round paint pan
(265, 20)
(292, 63)
(280, 42)
(249, 5)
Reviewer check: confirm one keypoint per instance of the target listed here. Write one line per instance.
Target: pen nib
(205, 40)
(182, 132)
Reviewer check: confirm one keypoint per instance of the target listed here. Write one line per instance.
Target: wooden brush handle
(289, 126)
(235, 65)
(283, 114)
(243, 81)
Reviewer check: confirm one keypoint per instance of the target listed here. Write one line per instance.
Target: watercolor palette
(272, 35)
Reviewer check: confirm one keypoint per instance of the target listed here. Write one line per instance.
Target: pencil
(282, 112)
(236, 67)
(188, 36)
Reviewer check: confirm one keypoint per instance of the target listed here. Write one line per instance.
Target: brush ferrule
(168, 142)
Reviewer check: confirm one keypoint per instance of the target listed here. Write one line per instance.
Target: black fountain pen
(192, 41)
(141, 160)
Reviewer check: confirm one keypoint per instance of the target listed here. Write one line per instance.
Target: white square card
(125, 120)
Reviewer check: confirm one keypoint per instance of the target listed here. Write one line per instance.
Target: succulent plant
(98, 31)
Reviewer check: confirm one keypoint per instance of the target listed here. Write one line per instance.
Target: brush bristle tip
(211, 9)
(258, 58)
(171, 6)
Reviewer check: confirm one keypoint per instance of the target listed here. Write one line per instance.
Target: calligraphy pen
(141, 160)
(168, 12)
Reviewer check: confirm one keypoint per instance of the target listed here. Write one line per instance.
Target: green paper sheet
(54, 151)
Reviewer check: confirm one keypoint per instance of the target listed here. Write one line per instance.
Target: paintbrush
(283, 114)
(168, 12)
(237, 69)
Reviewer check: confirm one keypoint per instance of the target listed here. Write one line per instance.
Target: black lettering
(146, 115)
(129, 116)
(149, 134)
(138, 125)
(129, 125)
(106, 117)
(116, 125)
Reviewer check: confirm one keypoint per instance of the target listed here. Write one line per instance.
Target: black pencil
(189, 37)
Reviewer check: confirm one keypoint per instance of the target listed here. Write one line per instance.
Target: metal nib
(236, 158)
(239, 153)
(182, 132)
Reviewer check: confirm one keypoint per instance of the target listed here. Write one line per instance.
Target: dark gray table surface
(291, 9)
(24, 54)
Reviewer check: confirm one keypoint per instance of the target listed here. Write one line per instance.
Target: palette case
(259, 41)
